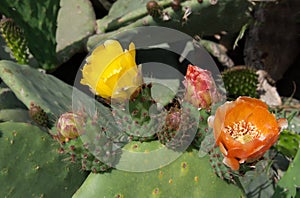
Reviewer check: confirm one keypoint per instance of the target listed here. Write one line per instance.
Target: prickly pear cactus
(288, 143)
(240, 81)
(71, 39)
(39, 25)
(180, 127)
(30, 165)
(191, 17)
(79, 154)
(88, 142)
(219, 168)
(202, 127)
(139, 118)
(40, 89)
(14, 37)
(287, 185)
(188, 176)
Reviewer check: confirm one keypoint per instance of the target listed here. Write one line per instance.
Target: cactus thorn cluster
(240, 81)
(139, 118)
(38, 115)
(220, 169)
(15, 39)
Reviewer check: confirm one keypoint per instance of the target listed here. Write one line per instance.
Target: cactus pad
(8, 99)
(139, 118)
(188, 176)
(290, 182)
(41, 89)
(180, 127)
(71, 38)
(288, 143)
(79, 154)
(30, 165)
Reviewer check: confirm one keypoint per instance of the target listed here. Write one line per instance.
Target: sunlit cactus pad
(188, 176)
(30, 165)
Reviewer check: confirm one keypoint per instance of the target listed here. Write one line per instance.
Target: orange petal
(223, 149)
(232, 163)
(220, 117)
(240, 112)
(254, 101)
(263, 120)
(282, 123)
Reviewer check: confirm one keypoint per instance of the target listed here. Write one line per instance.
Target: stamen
(243, 131)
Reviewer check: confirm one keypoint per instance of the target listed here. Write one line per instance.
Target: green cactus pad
(140, 118)
(41, 89)
(203, 19)
(8, 99)
(71, 37)
(30, 165)
(288, 184)
(188, 176)
(16, 115)
(240, 81)
(258, 181)
(288, 143)
(79, 154)
(39, 25)
(136, 146)
(202, 127)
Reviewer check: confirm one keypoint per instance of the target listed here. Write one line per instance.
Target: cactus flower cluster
(243, 130)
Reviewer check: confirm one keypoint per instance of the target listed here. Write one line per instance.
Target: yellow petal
(106, 65)
(132, 50)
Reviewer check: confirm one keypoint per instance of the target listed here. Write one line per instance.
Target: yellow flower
(111, 72)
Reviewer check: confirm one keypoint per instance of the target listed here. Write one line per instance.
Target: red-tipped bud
(200, 87)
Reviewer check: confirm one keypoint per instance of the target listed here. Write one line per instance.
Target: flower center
(243, 131)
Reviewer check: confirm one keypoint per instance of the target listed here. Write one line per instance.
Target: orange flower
(244, 130)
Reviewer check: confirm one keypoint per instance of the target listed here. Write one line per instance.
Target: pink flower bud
(200, 87)
(69, 125)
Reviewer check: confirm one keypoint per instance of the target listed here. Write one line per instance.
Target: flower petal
(219, 119)
(253, 101)
(263, 120)
(232, 163)
(106, 65)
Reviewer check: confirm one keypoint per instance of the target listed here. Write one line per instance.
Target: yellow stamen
(243, 131)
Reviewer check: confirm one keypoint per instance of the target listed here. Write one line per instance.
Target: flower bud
(154, 9)
(200, 87)
(69, 125)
